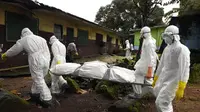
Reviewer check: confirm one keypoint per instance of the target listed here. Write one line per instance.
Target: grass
(104, 58)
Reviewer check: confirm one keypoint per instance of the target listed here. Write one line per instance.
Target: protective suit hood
(127, 41)
(145, 32)
(172, 32)
(26, 32)
(53, 39)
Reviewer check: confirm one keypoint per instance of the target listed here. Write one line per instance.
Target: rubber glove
(154, 80)
(76, 54)
(180, 90)
(58, 62)
(149, 73)
(3, 56)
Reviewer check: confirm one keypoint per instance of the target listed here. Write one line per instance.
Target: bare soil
(93, 102)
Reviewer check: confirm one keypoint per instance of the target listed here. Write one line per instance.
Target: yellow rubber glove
(58, 62)
(76, 53)
(149, 73)
(154, 80)
(3, 56)
(180, 90)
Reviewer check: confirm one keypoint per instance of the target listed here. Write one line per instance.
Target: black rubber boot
(50, 103)
(34, 97)
(64, 88)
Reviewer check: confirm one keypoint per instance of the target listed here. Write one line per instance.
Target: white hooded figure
(146, 65)
(128, 49)
(59, 55)
(173, 71)
(38, 59)
(132, 47)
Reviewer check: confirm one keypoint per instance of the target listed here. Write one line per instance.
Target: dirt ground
(92, 102)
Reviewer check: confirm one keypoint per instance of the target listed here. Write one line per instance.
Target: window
(58, 31)
(99, 38)
(109, 39)
(16, 22)
(117, 41)
(70, 34)
(82, 37)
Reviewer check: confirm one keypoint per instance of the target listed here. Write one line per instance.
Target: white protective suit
(59, 53)
(148, 59)
(128, 49)
(173, 67)
(38, 59)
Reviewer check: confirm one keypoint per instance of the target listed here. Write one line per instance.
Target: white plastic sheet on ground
(93, 69)
(119, 74)
(64, 69)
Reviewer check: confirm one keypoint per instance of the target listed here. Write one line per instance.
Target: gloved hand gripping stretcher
(96, 70)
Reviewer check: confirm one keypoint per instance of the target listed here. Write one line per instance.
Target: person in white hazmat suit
(146, 65)
(58, 83)
(128, 49)
(173, 71)
(38, 59)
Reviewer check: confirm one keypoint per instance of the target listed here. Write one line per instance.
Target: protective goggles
(168, 35)
(142, 34)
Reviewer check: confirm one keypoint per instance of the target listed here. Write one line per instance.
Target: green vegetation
(126, 63)
(195, 73)
(72, 83)
(10, 102)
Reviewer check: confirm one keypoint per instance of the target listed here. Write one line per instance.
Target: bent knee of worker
(39, 81)
(162, 103)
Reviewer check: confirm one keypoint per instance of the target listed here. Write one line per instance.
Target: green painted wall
(156, 33)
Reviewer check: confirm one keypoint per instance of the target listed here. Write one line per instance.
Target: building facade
(46, 21)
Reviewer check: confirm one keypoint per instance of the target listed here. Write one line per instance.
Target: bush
(125, 63)
(73, 84)
(113, 90)
(195, 73)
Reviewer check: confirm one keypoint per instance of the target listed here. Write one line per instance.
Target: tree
(186, 7)
(124, 15)
(148, 9)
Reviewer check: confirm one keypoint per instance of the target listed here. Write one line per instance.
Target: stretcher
(96, 70)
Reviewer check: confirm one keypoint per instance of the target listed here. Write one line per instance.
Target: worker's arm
(14, 50)
(159, 69)
(184, 65)
(150, 49)
(56, 53)
(183, 72)
(161, 64)
(75, 49)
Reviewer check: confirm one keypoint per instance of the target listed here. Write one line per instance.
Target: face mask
(168, 41)
(143, 35)
(168, 38)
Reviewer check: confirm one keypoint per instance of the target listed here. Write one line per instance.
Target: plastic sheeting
(96, 70)
(65, 69)
(119, 74)
(93, 69)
